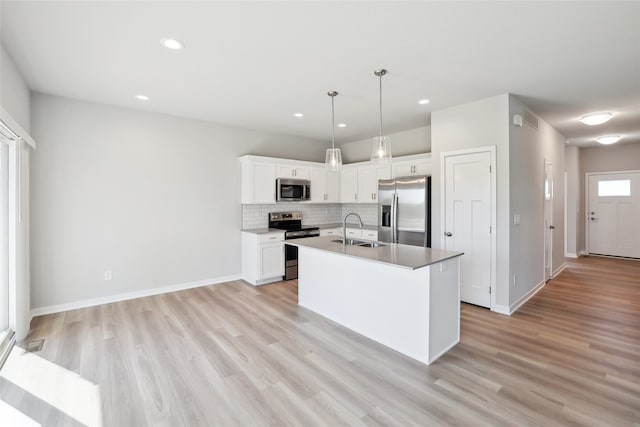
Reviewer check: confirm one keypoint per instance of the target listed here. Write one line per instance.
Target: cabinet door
(330, 232)
(422, 167)
(332, 187)
(402, 169)
(271, 260)
(292, 171)
(264, 183)
(318, 189)
(349, 185)
(354, 233)
(366, 178)
(369, 235)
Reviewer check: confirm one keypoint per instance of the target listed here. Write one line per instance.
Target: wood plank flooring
(235, 355)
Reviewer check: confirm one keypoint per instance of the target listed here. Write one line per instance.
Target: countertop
(320, 226)
(397, 255)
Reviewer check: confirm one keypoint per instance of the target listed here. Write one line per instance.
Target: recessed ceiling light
(342, 125)
(172, 44)
(298, 115)
(423, 101)
(142, 97)
(596, 118)
(606, 140)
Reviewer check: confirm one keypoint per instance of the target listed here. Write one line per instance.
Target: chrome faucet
(344, 226)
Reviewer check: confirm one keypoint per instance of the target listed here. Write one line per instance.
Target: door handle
(448, 234)
(593, 219)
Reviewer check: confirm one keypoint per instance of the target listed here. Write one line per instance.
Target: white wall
(608, 158)
(154, 198)
(413, 141)
(574, 209)
(15, 100)
(528, 149)
(14, 92)
(476, 124)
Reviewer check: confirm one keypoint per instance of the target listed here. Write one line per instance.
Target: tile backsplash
(256, 216)
(368, 212)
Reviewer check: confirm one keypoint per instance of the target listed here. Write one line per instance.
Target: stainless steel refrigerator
(404, 210)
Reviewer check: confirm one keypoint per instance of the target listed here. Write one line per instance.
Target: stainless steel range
(291, 222)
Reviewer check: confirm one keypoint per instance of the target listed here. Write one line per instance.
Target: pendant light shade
(333, 158)
(381, 145)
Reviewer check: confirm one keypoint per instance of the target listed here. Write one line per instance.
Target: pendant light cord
(380, 105)
(333, 125)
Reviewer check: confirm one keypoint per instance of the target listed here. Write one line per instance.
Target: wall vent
(531, 119)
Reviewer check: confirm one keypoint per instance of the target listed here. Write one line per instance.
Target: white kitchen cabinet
(412, 165)
(258, 184)
(330, 232)
(262, 257)
(360, 234)
(325, 186)
(349, 185)
(293, 171)
(368, 177)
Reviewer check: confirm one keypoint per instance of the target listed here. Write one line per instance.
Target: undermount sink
(372, 245)
(350, 242)
(361, 243)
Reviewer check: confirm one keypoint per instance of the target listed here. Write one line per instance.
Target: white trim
(582, 253)
(494, 229)
(559, 269)
(131, 295)
(545, 231)
(509, 310)
(566, 203)
(524, 298)
(16, 128)
(571, 255)
(501, 309)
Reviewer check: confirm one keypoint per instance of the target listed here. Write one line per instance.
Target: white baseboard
(130, 295)
(570, 255)
(559, 269)
(501, 309)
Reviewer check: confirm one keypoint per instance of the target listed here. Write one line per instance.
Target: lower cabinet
(262, 257)
(360, 233)
(330, 232)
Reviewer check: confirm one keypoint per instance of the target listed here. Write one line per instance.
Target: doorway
(613, 213)
(469, 220)
(548, 220)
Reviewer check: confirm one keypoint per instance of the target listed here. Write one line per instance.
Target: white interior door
(548, 220)
(4, 237)
(613, 221)
(468, 220)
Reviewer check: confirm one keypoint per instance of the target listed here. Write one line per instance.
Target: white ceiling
(254, 64)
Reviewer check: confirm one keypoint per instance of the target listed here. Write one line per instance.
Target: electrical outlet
(516, 219)
(108, 275)
(515, 279)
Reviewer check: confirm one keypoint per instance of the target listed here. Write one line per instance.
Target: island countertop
(398, 255)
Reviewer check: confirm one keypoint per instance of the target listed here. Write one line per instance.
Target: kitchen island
(405, 297)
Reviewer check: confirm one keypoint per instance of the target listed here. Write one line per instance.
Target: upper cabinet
(258, 181)
(325, 185)
(419, 164)
(293, 171)
(357, 183)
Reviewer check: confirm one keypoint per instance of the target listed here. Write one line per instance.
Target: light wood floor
(233, 354)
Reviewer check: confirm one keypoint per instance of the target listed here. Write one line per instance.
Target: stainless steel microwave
(292, 190)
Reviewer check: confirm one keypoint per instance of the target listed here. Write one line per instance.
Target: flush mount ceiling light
(333, 158)
(381, 145)
(342, 125)
(606, 140)
(596, 118)
(423, 102)
(298, 115)
(172, 44)
(142, 97)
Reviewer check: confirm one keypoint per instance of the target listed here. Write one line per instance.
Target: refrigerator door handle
(394, 219)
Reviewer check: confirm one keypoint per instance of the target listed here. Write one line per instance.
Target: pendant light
(381, 145)
(333, 159)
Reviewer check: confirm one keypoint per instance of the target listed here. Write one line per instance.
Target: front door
(468, 219)
(613, 214)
